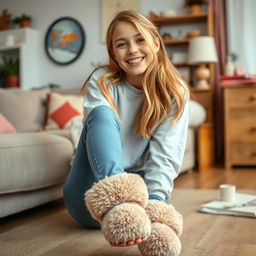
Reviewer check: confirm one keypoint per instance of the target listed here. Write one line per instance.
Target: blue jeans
(99, 154)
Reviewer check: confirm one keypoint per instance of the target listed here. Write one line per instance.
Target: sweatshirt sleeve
(166, 151)
(93, 96)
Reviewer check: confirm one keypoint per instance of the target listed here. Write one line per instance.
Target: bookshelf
(205, 20)
(26, 47)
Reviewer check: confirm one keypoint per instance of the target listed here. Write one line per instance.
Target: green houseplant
(10, 67)
(23, 20)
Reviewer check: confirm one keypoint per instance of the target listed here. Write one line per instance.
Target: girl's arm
(93, 96)
(166, 151)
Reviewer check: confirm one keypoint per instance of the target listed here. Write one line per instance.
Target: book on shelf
(242, 79)
(246, 76)
(244, 205)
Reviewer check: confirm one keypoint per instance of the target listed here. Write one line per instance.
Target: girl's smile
(132, 53)
(135, 61)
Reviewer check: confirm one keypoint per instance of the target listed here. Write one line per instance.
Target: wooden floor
(210, 179)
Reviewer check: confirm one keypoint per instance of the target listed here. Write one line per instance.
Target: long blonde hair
(161, 83)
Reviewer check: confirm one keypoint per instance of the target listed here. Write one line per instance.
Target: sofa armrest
(197, 114)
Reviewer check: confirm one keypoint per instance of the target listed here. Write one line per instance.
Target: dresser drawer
(246, 113)
(243, 153)
(241, 97)
(240, 124)
(243, 132)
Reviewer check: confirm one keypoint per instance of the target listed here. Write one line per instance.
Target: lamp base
(202, 74)
(202, 85)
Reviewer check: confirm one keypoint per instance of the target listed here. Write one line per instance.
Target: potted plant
(195, 6)
(10, 67)
(23, 20)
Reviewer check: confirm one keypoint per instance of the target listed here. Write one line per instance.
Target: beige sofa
(33, 164)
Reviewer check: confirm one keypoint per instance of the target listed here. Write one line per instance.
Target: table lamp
(202, 51)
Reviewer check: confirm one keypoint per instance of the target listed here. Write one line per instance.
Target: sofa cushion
(24, 109)
(61, 132)
(61, 109)
(17, 202)
(6, 126)
(32, 161)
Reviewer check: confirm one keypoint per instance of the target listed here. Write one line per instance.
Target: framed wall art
(64, 40)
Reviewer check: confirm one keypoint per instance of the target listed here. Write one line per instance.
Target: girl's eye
(141, 40)
(121, 45)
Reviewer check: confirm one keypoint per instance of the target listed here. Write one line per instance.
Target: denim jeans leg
(99, 154)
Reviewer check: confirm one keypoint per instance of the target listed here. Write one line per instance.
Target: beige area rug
(204, 234)
(57, 235)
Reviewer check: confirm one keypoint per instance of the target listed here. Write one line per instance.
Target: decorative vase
(25, 23)
(229, 67)
(195, 9)
(13, 82)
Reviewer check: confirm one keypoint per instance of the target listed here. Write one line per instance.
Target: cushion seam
(37, 145)
(14, 191)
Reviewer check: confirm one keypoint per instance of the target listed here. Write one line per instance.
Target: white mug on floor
(227, 192)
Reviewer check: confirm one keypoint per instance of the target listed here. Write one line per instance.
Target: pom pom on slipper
(118, 203)
(166, 227)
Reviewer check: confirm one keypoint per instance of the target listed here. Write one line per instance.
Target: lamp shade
(202, 50)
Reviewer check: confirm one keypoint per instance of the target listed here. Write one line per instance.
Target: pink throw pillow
(6, 126)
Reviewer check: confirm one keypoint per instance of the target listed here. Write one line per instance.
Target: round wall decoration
(64, 40)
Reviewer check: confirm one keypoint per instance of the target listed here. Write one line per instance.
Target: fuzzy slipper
(167, 225)
(118, 203)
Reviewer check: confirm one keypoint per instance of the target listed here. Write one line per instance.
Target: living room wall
(88, 13)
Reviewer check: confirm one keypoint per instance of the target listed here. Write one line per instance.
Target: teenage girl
(135, 129)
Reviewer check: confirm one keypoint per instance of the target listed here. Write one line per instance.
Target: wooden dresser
(240, 124)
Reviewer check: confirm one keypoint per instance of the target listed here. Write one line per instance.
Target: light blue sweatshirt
(159, 156)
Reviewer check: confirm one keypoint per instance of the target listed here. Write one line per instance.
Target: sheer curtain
(241, 28)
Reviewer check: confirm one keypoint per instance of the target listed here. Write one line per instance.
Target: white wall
(88, 13)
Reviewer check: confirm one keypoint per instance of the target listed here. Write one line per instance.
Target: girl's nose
(133, 48)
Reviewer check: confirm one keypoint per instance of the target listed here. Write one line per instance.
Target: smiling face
(132, 53)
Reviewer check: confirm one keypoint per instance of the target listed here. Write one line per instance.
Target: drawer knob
(254, 154)
(253, 97)
(253, 128)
